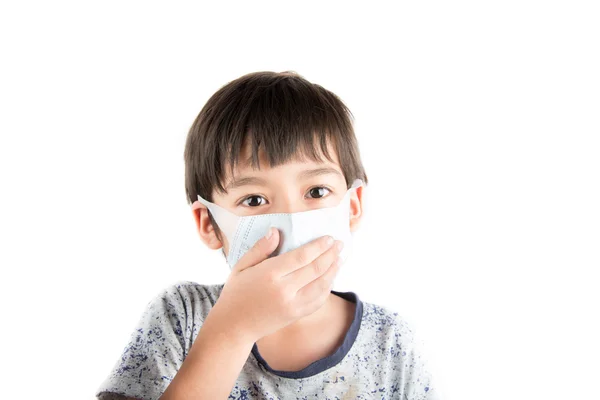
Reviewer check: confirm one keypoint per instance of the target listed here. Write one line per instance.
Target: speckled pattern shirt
(378, 359)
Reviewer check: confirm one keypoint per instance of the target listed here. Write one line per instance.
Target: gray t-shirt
(378, 359)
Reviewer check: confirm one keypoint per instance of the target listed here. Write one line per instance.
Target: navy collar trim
(331, 360)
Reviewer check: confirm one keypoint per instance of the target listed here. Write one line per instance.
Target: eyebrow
(254, 180)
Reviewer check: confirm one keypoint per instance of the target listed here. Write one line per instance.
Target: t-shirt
(378, 359)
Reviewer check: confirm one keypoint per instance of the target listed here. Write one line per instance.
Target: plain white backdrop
(478, 124)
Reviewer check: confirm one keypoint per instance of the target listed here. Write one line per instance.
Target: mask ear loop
(227, 221)
(357, 183)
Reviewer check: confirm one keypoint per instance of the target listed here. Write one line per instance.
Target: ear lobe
(204, 226)
(216, 244)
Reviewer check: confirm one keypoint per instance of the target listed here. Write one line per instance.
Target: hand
(262, 295)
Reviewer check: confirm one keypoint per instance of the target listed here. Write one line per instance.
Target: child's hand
(262, 295)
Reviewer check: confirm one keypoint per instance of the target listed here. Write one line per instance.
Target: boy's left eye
(317, 192)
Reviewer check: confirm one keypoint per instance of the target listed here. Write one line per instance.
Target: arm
(417, 378)
(209, 370)
(213, 363)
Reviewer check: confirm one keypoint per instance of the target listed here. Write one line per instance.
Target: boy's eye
(253, 203)
(318, 192)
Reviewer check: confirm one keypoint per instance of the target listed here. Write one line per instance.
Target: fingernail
(339, 245)
(329, 240)
(269, 233)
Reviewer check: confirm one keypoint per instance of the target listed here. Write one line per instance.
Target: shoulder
(388, 341)
(387, 335)
(382, 321)
(160, 341)
(191, 290)
(177, 311)
(187, 297)
(188, 290)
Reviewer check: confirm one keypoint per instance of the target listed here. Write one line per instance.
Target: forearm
(214, 362)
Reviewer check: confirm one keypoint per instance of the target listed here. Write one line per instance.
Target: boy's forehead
(299, 164)
(245, 159)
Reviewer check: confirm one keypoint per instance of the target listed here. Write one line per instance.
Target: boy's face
(298, 185)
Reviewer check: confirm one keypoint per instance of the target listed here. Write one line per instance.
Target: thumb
(260, 251)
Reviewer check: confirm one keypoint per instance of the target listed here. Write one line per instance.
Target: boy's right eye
(252, 203)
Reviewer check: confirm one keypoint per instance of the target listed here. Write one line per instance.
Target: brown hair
(282, 112)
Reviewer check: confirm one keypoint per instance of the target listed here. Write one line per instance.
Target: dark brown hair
(282, 112)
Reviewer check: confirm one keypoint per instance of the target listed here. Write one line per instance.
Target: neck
(312, 337)
(309, 322)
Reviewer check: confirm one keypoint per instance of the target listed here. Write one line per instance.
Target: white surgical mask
(295, 229)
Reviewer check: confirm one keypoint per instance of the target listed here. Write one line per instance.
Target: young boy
(274, 329)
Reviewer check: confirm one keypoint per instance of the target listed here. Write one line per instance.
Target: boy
(274, 329)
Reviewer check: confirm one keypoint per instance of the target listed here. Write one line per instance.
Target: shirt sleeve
(418, 383)
(155, 351)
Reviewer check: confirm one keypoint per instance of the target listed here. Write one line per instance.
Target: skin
(301, 321)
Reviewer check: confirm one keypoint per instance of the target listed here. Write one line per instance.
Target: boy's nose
(285, 206)
(288, 204)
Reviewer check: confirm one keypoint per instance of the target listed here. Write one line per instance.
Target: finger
(313, 295)
(303, 276)
(260, 251)
(304, 255)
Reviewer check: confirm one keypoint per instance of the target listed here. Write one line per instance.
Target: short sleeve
(417, 377)
(155, 351)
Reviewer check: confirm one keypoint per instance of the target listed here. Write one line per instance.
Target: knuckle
(324, 285)
(337, 262)
(272, 276)
(272, 279)
(280, 298)
(285, 295)
(318, 268)
(295, 311)
(302, 257)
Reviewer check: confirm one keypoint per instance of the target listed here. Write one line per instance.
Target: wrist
(233, 329)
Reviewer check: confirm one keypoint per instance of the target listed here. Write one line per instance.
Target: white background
(478, 124)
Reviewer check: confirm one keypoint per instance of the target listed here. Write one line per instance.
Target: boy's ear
(356, 208)
(205, 228)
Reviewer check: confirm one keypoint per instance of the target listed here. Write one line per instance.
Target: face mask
(295, 229)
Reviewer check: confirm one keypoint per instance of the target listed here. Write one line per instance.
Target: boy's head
(271, 142)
